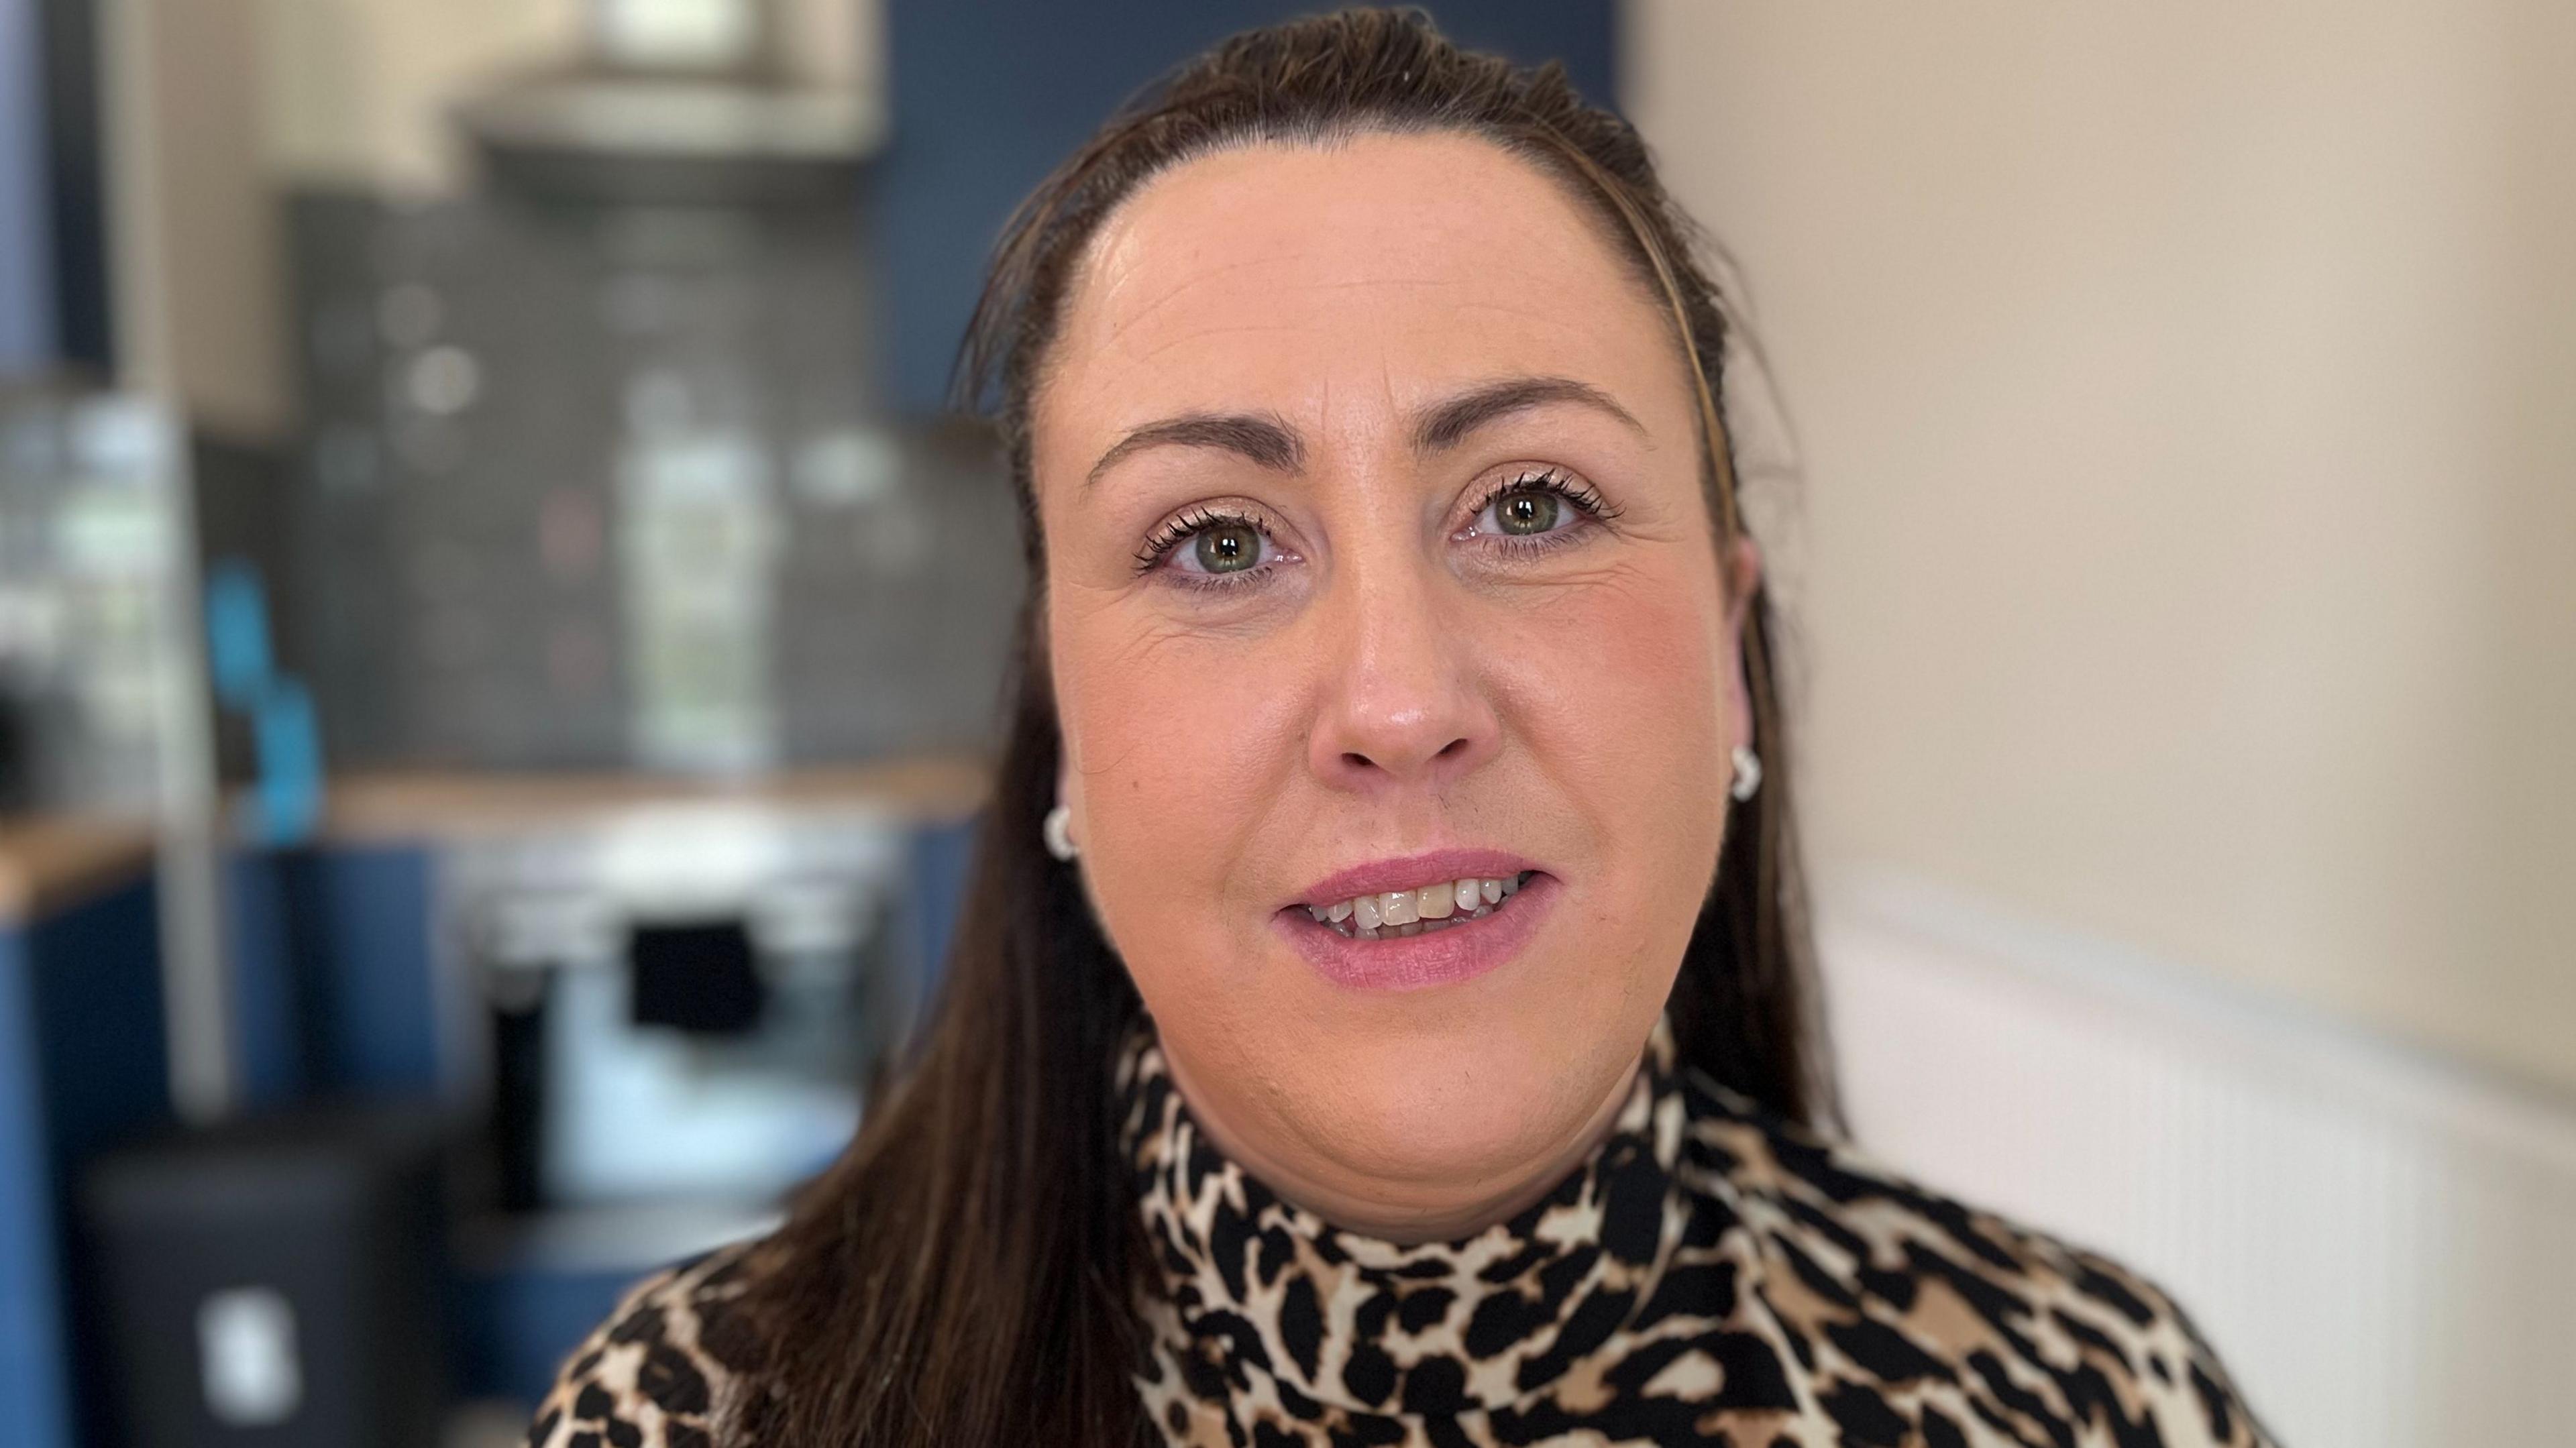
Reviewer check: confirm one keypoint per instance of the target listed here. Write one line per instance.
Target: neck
(1407, 1213)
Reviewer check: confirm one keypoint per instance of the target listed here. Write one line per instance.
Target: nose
(1404, 704)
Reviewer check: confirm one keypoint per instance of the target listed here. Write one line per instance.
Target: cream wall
(2186, 396)
(358, 91)
(198, 284)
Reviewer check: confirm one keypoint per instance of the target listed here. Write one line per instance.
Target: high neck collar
(1255, 1287)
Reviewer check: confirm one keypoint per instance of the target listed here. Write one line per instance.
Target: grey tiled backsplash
(593, 486)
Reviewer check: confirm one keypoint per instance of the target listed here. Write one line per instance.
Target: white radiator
(2381, 1245)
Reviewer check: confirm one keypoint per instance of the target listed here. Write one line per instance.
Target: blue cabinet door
(988, 97)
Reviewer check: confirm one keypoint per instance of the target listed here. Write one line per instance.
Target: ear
(1743, 579)
(1068, 792)
(1040, 647)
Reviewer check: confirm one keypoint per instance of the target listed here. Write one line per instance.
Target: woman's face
(1377, 558)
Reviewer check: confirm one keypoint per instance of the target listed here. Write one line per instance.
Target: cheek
(1622, 698)
(1182, 750)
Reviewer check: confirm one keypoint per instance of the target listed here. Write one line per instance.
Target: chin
(1434, 1117)
(1434, 1100)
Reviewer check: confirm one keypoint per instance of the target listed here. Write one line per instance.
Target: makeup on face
(1383, 628)
(1368, 928)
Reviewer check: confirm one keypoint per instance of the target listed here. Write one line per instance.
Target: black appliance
(273, 1282)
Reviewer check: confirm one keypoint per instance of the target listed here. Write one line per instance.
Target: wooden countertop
(48, 862)
(434, 805)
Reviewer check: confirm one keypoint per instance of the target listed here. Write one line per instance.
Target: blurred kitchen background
(499, 646)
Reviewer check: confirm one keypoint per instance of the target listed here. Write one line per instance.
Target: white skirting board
(2381, 1244)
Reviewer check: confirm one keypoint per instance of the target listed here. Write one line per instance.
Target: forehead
(1333, 283)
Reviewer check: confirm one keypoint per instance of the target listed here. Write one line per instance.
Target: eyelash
(1589, 506)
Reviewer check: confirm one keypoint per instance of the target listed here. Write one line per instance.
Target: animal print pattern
(1713, 1275)
(662, 1371)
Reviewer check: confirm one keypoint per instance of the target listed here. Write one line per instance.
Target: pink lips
(1412, 871)
(1461, 952)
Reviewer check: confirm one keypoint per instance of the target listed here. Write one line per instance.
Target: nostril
(1362, 761)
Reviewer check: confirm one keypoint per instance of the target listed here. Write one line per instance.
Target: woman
(1380, 1014)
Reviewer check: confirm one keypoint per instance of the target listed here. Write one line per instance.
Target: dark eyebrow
(1269, 441)
(1265, 440)
(1445, 424)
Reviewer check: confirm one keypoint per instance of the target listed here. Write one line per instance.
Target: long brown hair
(964, 1273)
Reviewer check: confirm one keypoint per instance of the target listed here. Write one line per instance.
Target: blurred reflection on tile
(599, 485)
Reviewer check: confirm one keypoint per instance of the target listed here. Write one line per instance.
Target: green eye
(1528, 510)
(1229, 547)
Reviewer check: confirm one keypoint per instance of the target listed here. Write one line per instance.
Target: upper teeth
(1437, 901)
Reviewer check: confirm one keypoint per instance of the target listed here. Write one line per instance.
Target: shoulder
(663, 1370)
(1878, 1279)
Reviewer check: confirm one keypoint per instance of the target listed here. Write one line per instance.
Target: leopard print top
(1711, 1275)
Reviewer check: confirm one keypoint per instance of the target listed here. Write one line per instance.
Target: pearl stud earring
(1748, 773)
(1059, 832)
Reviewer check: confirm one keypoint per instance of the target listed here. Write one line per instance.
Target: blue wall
(337, 987)
(33, 1364)
(82, 1068)
(987, 97)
